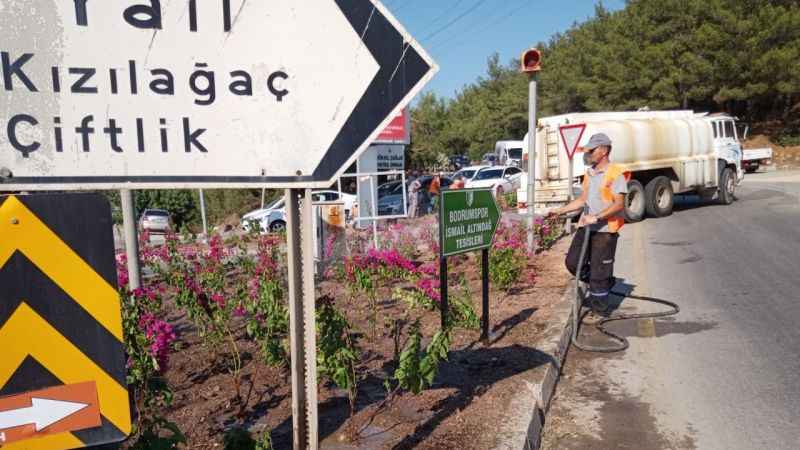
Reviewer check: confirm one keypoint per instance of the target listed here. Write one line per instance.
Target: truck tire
(727, 186)
(634, 202)
(752, 168)
(659, 197)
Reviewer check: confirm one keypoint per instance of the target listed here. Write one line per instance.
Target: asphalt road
(725, 372)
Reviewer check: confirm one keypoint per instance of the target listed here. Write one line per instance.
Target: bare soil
(458, 412)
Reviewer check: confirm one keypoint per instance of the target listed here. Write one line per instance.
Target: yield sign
(278, 93)
(571, 136)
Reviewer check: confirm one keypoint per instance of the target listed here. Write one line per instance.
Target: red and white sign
(571, 136)
(398, 131)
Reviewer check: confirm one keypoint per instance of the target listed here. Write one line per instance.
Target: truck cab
(726, 142)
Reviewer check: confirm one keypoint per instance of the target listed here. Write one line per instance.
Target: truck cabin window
(729, 129)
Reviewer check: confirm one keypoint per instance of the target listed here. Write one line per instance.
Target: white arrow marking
(42, 413)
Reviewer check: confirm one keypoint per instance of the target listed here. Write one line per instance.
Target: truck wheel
(752, 168)
(634, 202)
(659, 196)
(727, 186)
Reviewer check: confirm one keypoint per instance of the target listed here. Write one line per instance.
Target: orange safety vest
(615, 222)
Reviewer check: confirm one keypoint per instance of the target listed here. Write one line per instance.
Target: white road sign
(571, 136)
(187, 93)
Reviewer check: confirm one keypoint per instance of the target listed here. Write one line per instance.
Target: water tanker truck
(666, 152)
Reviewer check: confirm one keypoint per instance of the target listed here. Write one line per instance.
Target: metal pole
(299, 426)
(309, 318)
(203, 212)
(485, 279)
(374, 212)
(531, 189)
(131, 241)
(443, 288)
(570, 179)
(263, 196)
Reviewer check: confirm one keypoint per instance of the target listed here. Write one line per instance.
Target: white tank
(640, 141)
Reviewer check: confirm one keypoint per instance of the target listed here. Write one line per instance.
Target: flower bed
(207, 336)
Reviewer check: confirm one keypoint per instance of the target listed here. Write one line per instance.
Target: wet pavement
(724, 372)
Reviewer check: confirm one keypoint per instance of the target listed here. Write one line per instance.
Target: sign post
(128, 207)
(467, 222)
(570, 137)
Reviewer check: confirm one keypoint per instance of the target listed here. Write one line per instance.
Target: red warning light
(531, 61)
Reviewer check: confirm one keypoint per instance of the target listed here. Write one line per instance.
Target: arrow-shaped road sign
(47, 415)
(120, 94)
(42, 413)
(571, 136)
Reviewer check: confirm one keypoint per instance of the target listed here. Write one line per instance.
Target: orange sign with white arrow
(53, 410)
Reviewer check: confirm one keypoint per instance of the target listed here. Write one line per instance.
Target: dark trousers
(598, 267)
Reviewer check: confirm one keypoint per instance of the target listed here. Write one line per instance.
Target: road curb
(523, 421)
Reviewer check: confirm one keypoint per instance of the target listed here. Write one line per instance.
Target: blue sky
(462, 34)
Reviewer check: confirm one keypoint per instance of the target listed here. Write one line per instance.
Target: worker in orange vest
(434, 190)
(604, 189)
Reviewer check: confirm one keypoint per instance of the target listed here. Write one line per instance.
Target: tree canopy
(736, 56)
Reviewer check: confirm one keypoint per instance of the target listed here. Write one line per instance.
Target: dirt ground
(458, 412)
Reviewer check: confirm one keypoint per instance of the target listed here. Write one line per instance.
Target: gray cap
(597, 140)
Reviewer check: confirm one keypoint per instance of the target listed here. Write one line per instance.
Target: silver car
(155, 220)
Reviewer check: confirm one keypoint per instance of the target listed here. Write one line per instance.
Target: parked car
(468, 172)
(155, 221)
(273, 217)
(390, 195)
(349, 200)
(390, 199)
(505, 178)
(270, 218)
(458, 162)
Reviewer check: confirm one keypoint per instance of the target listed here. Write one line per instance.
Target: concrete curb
(522, 423)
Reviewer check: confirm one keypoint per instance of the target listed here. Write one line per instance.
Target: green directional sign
(467, 220)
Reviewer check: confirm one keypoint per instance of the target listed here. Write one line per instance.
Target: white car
(272, 218)
(504, 179)
(468, 172)
(349, 200)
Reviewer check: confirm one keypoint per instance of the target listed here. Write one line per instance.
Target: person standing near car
(434, 189)
(458, 183)
(413, 196)
(604, 189)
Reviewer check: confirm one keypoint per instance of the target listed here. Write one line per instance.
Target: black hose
(578, 315)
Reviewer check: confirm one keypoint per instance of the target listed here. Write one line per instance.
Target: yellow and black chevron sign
(62, 361)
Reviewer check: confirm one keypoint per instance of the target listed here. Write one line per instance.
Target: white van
(508, 153)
